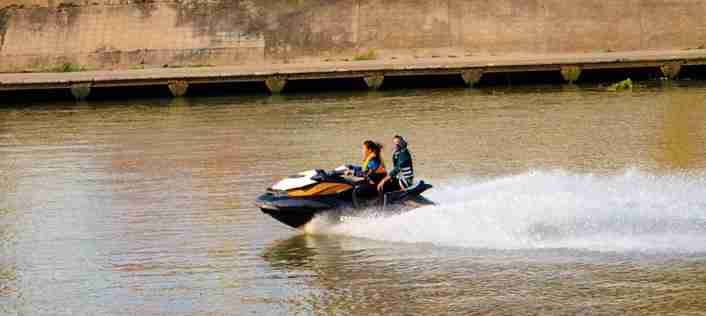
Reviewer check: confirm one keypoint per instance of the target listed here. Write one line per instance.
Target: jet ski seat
(402, 194)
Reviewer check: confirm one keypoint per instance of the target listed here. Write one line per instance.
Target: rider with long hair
(373, 167)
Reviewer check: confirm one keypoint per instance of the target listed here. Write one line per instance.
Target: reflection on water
(291, 253)
(682, 129)
(357, 276)
(8, 264)
(565, 201)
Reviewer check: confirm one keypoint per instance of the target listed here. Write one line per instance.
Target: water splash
(631, 211)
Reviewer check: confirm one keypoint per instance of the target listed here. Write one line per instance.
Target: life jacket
(379, 169)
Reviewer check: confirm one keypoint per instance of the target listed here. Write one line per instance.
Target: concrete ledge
(356, 69)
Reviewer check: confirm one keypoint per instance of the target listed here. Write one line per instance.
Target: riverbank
(568, 67)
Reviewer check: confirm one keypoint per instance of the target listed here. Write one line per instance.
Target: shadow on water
(546, 81)
(493, 81)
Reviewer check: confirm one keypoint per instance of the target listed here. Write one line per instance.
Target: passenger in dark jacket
(403, 172)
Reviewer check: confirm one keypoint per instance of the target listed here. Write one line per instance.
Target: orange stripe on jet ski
(320, 189)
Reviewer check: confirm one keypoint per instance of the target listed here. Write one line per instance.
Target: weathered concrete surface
(42, 35)
(276, 75)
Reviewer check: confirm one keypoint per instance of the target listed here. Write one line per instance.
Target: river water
(551, 201)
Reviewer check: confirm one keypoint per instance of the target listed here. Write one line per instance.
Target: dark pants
(367, 190)
(392, 185)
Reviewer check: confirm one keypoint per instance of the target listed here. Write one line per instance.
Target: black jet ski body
(296, 200)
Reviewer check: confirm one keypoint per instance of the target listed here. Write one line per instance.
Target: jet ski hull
(292, 219)
(297, 212)
(294, 212)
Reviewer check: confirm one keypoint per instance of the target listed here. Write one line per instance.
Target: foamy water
(631, 211)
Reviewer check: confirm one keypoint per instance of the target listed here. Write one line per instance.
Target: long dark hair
(374, 147)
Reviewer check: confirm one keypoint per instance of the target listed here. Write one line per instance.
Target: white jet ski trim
(301, 180)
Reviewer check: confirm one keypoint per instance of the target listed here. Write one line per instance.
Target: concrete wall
(110, 34)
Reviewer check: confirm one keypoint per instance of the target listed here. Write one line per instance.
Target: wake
(632, 211)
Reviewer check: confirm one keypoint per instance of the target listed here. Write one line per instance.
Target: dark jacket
(403, 169)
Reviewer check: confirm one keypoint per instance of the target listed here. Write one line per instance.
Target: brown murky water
(551, 202)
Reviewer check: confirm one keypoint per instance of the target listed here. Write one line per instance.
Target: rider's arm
(395, 168)
(355, 171)
(381, 185)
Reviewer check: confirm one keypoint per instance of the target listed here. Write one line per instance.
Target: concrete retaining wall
(44, 35)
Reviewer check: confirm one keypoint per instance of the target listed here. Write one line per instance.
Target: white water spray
(632, 211)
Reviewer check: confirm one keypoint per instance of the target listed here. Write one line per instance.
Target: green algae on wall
(4, 17)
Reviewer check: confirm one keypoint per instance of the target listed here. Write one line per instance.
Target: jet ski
(295, 200)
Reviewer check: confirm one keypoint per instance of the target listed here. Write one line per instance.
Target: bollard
(571, 74)
(374, 82)
(178, 87)
(275, 84)
(472, 76)
(80, 91)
